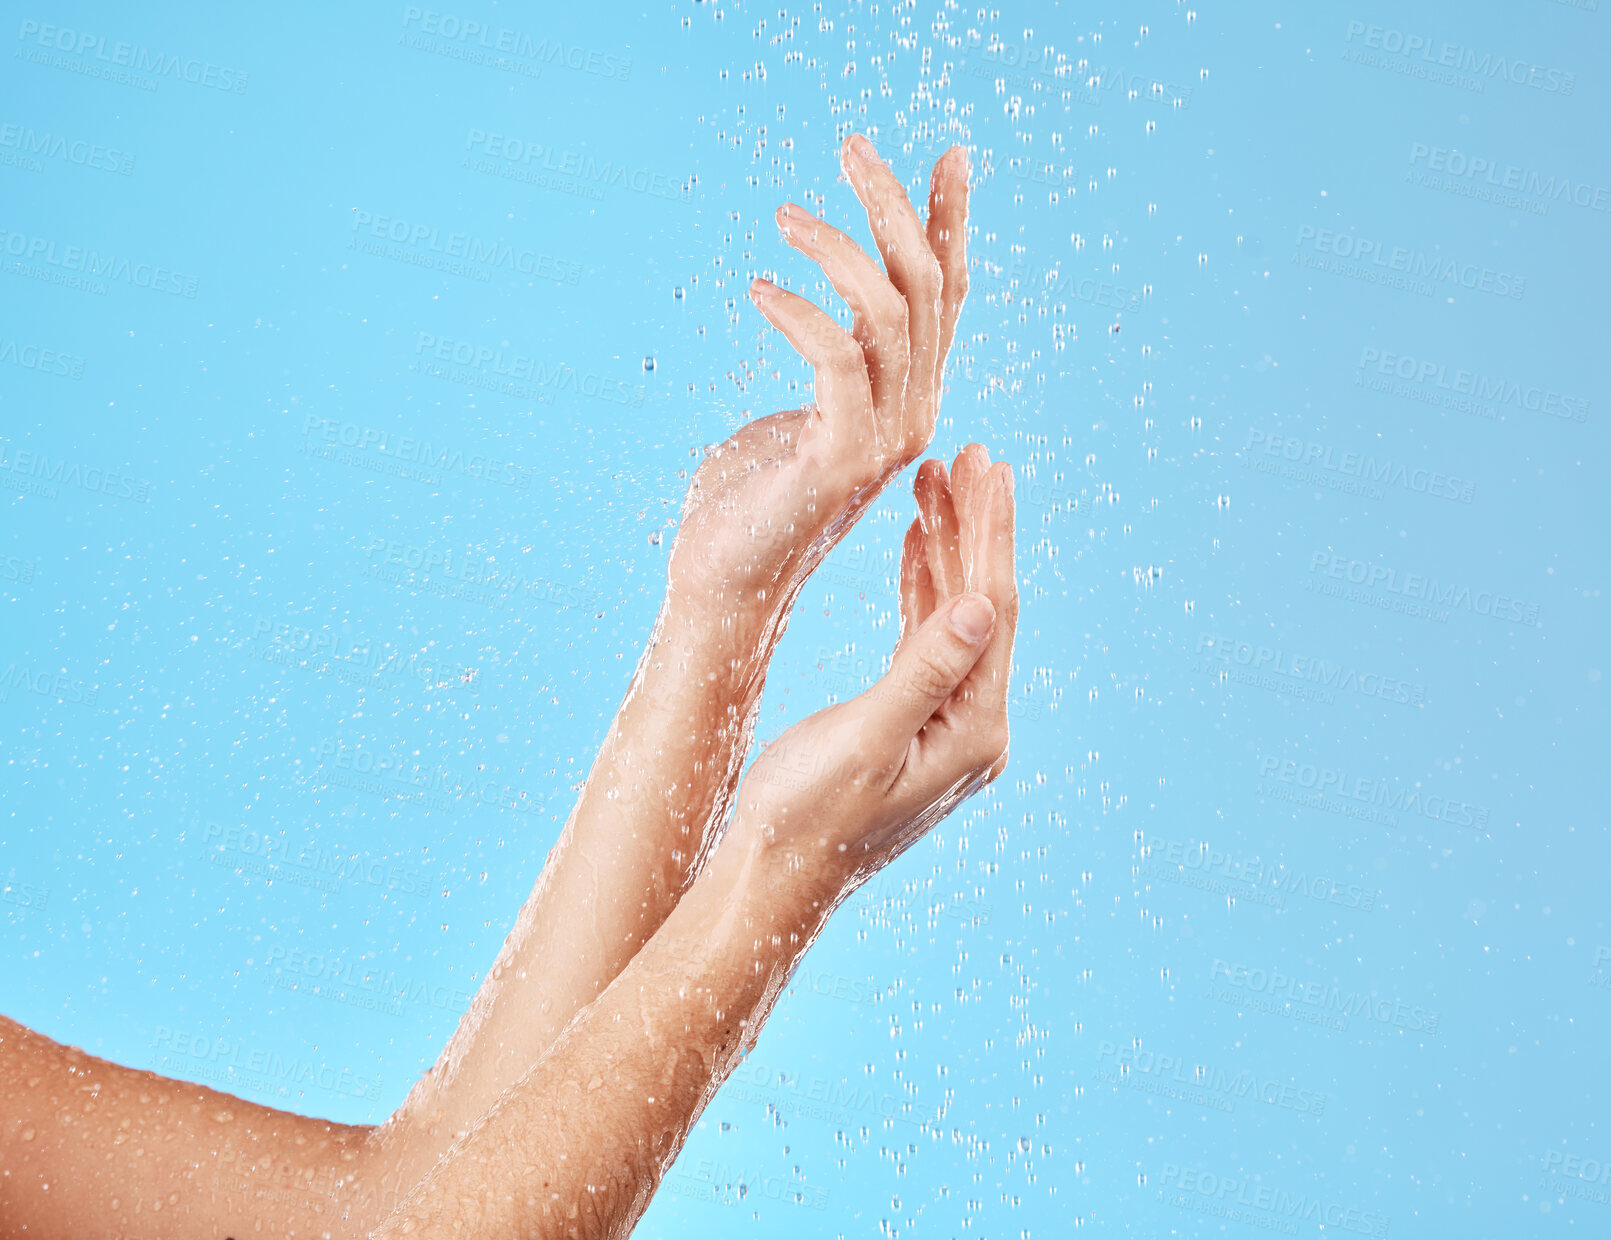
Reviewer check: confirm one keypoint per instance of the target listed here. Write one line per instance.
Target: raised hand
(763, 510)
(576, 1146)
(844, 792)
(768, 504)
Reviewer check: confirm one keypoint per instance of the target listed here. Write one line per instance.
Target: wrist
(809, 875)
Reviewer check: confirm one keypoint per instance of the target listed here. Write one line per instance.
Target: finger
(985, 695)
(926, 671)
(879, 323)
(940, 529)
(917, 583)
(948, 238)
(844, 396)
(968, 472)
(915, 273)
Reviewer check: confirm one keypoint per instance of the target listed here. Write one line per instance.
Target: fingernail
(793, 221)
(971, 617)
(1007, 480)
(862, 147)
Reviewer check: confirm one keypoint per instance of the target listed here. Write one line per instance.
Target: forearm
(762, 509)
(578, 1146)
(643, 822)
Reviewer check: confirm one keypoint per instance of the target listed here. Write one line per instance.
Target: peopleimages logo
(58, 685)
(355, 662)
(1211, 1087)
(818, 1097)
(45, 361)
(1309, 668)
(1231, 1198)
(23, 895)
(1452, 56)
(231, 1065)
(1053, 284)
(133, 56)
(479, 254)
(1353, 466)
(1467, 391)
(1247, 877)
(1322, 1003)
(34, 145)
(15, 568)
(78, 266)
(1399, 267)
(330, 977)
(474, 36)
(1488, 179)
(435, 570)
(1373, 792)
(722, 1184)
(38, 474)
(434, 786)
(540, 159)
(1587, 1172)
(407, 450)
(1414, 586)
(307, 864)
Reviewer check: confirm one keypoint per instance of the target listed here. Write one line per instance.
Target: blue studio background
(352, 361)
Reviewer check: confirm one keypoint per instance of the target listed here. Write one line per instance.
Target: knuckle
(925, 279)
(839, 350)
(890, 307)
(929, 674)
(885, 337)
(911, 443)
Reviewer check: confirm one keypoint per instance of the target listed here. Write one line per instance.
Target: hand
(768, 504)
(844, 792)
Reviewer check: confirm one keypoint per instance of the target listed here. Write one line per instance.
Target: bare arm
(92, 1149)
(578, 1145)
(763, 511)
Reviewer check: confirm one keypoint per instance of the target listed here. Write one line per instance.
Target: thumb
(931, 663)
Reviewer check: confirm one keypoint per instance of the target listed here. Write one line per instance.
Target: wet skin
(677, 899)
